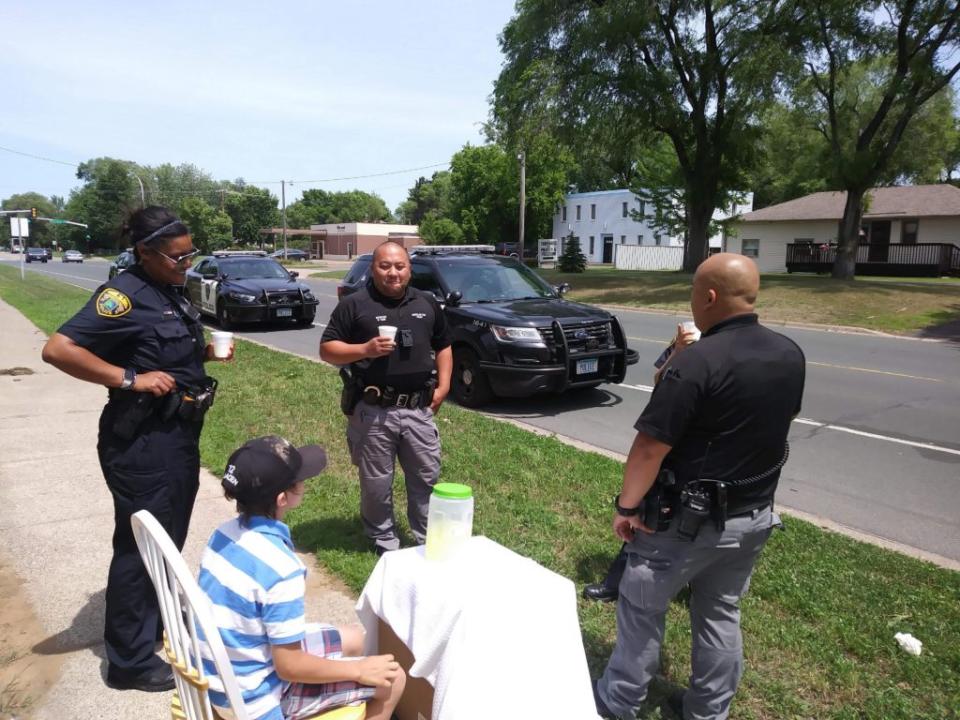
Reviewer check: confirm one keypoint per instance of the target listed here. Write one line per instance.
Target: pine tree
(572, 260)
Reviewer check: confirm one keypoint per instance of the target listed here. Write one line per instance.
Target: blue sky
(265, 91)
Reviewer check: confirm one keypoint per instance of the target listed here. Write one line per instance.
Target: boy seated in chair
(286, 669)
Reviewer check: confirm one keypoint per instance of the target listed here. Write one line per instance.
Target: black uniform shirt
(131, 321)
(725, 404)
(417, 316)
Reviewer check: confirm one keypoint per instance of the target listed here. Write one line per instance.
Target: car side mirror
(562, 289)
(454, 298)
(294, 274)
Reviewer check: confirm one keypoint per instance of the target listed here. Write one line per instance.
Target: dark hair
(246, 510)
(154, 223)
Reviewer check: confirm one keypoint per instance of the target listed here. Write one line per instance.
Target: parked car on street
(248, 287)
(291, 254)
(35, 254)
(72, 256)
(121, 263)
(513, 334)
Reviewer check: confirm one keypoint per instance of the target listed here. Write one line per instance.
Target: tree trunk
(698, 237)
(845, 264)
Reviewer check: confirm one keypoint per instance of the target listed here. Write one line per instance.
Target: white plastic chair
(184, 608)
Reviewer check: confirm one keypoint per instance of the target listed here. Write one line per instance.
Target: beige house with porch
(895, 217)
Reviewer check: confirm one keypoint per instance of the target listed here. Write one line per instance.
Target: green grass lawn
(904, 306)
(330, 274)
(819, 619)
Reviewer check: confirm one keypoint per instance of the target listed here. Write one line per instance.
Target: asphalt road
(877, 446)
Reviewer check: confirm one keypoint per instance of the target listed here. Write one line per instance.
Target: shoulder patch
(113, 303)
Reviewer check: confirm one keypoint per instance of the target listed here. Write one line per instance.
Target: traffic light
(33, 213)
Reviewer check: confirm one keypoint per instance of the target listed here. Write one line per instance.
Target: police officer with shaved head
(139, 337)
(696, 504)
(394, 387)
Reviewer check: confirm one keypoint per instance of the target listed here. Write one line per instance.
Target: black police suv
(248, 287)
(121, 263)
(513, 334)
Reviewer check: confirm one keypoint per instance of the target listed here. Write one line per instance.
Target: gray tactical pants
(378, 436)
(718, 567)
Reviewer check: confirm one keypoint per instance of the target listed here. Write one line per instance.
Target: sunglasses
(179, 259)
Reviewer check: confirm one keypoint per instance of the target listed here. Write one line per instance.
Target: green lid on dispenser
(452, 491)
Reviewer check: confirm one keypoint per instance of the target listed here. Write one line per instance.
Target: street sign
(55, 221)
(19, 226)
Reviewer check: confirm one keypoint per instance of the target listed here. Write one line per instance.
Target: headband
(156, 233)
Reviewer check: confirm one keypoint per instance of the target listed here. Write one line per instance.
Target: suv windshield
(492, 280)
(253, 268)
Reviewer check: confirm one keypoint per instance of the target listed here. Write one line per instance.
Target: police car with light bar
(248, 287)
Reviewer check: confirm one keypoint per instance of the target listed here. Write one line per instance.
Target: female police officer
(138, 337)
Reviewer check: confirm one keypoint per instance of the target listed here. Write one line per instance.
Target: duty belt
(390, 397)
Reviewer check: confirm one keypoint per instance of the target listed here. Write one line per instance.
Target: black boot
(609, 589)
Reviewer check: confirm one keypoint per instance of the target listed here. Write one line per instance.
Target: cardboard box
(417, 700)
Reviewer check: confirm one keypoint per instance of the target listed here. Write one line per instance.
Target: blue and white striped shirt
(256, 586)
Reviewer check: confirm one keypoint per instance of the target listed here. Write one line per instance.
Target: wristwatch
(626, 512)
(129, 378)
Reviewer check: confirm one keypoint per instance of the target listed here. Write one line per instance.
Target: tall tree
(426, 196)
(105, 200)
(908, 49)
(319, 207)
(697, 71)
(41, 233)
(252, 209)
(210, 228)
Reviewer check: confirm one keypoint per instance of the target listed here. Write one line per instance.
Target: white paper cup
(691, 327)
(387, 331)
(222, 342)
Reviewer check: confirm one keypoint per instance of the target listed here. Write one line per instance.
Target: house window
(643, 208)
(578, 212)
(623, 239)
(563, 213)
(624, 211)
(640, 239)
(909, 233)
(656, 238)
(750, 248)
(591, 244)
(593, 211)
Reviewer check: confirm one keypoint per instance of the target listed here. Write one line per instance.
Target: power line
(39, 157)
(351, 177)
(260, 182)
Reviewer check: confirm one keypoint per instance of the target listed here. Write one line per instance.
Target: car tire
(305, 321)
(223, 319)
(469, 384)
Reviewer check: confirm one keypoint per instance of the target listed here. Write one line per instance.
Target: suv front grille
(582, 338)
(283, 298)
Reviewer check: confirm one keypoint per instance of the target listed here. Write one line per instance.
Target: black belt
(390, 397)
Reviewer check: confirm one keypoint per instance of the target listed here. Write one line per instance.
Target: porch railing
(933, 259)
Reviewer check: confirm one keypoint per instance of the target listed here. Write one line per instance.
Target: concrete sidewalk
(56, 521)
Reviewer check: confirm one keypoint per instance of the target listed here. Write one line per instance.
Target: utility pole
(522, 157)
(283, 201)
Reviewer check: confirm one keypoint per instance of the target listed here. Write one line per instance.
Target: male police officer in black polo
(400, 385)
(709, 448)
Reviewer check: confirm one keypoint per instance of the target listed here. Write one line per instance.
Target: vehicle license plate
(284, 312)
(585, 367)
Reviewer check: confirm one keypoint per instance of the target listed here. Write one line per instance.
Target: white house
(604, 218)
(894, 215)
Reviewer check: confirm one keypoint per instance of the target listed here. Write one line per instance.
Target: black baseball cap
(266, 466)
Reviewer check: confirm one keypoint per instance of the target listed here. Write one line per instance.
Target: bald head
(725, 284)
